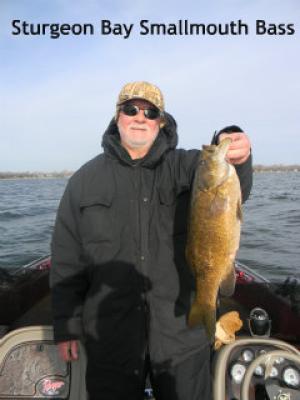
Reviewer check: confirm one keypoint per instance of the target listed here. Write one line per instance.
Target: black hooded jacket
(119, 277)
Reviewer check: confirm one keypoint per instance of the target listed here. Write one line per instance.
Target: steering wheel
(268, 361)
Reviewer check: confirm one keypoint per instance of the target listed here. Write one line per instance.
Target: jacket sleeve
(245, 174)
(68, 280)
(244, 171)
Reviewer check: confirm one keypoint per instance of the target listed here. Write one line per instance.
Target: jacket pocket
(167, 208)
(97, 218)
(100, 238)
(174, 211)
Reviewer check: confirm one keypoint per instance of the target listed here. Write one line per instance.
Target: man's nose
(140, 116)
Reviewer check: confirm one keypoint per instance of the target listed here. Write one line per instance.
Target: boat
(262, 363)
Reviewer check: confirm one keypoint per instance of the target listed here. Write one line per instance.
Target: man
(119, 277)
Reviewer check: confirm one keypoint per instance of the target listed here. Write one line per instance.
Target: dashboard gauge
(259, 371)
(291, 377)
(248, 355)
(274, 372)
(237, 372)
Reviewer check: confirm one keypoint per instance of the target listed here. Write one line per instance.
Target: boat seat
(30, 367)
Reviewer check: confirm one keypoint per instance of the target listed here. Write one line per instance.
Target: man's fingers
(235, 154)
(239, 149)
(238, 144)
(237, 139)
(74, 349)
(68, 351)
(237, 161)
(237, 157)
(63, 350)
(233, 136)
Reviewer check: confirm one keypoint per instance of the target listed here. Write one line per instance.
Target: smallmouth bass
(213, 232)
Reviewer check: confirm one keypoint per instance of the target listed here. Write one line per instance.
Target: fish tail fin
(203, 315)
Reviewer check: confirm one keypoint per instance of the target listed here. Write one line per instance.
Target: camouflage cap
(142, 90)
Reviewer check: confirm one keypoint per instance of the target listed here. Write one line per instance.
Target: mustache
(142, 126)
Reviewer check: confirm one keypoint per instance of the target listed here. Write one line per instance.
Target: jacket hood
(166, 140)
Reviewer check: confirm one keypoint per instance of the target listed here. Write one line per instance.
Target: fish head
(212, 168)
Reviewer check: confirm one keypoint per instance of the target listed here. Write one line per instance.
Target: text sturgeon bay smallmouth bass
(213, 232)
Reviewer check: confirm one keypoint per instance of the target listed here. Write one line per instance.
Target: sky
(57, 96)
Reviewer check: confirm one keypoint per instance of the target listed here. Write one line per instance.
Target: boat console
(248, 369)
(254, 368)
(257, 367)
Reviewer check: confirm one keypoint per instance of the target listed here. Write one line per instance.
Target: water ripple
(270, 232)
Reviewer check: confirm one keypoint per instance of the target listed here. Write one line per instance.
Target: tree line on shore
(276, 168)
(35, 174)
(67, 174)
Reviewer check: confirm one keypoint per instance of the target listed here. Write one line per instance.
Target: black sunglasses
(132, 110)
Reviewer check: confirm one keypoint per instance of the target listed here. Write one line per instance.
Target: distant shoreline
(276, 168)
(67, 174)
(35, 175)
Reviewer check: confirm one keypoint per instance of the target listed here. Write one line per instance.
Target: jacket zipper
(141, 260)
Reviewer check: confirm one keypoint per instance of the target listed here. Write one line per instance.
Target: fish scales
(213, 232)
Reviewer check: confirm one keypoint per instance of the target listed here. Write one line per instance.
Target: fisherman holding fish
(145, 236)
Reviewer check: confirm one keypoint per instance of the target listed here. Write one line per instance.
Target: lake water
(270, 242)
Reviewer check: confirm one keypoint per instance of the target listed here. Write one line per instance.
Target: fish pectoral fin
(218, 205)
(202, 314)
(227, 285)
(239, 211)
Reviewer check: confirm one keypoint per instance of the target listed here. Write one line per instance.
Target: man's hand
(239, 149)
(68, 351)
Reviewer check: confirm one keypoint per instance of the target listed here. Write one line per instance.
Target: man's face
(138, 132)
